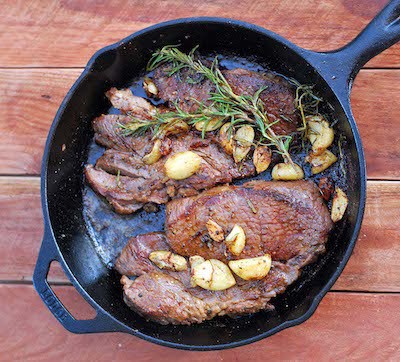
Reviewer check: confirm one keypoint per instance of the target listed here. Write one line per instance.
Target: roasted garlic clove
(212, 275)
(262, 158)
(154, 155)
(215, 231)
(226, 138)
(287, 172)
(167, 260)
(182, 165)
(196, 260)
(176, 128)
(243, 140)
(319, 133)
(212, 125)
(193, 261)
(321, 162)
(150, 87)
(236, 240)
(339, 205)
(252, 268)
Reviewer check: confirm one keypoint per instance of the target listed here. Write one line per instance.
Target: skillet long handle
(339, 67)
(381, 33)
(47, 254)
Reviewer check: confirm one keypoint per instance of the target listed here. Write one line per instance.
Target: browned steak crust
(178, 89)
(134, 258)
(291, 218)
(278, 96)
(128, 183)
(169, 299)
(299, 241)
(139, 183)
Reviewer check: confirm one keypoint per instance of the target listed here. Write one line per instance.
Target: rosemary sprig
(223, 104)
(251, 206)
(306, 101)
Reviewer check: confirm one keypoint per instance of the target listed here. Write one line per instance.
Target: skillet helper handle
(47, 254)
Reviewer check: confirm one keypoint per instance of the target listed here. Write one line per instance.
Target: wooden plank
(29, 99)
(21, 229)
(66, 33)
(377, 115)
(374, 265)
(345, 325)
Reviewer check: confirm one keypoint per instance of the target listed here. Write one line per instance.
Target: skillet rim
(310, 57)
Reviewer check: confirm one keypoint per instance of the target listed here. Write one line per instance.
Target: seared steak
(179, 89)
(278, 96)
(133, 260)
(108, 133)
(139, 183)
(162, 298)
(284, 219)
(167, 296)
(128, 183)
(291, 223)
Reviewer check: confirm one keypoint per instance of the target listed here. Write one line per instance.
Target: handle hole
(68, 295)
(56, 274)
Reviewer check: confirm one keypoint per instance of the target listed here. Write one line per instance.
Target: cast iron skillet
(66, 239)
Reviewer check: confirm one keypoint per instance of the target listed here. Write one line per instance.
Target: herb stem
(224, 103)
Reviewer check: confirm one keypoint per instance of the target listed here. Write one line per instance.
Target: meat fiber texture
(278, 97)
(288, 220)
(121, 176)
(128, 183)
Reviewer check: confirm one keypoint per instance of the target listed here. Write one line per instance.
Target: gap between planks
(69, 284)
(82, 68)
(377, 236)
(37, 176)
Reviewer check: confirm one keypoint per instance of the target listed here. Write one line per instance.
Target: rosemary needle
(223, 104)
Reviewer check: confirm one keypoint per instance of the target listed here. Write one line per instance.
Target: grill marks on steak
(139, 183)
(297, 242)
(278, 97)
(291, 218)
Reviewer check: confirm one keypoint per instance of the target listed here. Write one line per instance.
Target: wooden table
(43, 47)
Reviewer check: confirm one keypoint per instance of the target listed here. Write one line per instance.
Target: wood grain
(375, 263)
(374, 266)
(21, 229)
(66, 33)
(376, 107)
(336, 331)
(29, 99)
(41, 41)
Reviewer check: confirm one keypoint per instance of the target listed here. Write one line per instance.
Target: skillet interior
(64, 179)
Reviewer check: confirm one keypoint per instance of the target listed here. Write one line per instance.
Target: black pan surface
(69, 235)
